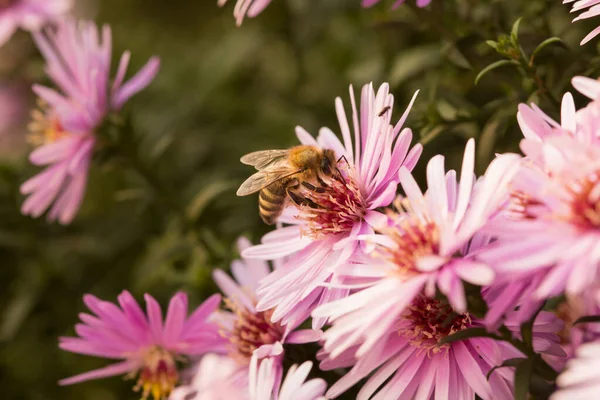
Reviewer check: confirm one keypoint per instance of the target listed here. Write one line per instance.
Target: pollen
(44, 128)
(158, 376)
(251, 330)
(413, 238)
(427, 321)
(584, 197)
(334, 208)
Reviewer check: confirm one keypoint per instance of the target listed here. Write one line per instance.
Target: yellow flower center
(158, 376)
(44, 128)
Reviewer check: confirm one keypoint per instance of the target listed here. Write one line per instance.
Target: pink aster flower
(555, 237)
(255, 340)
(78, 60)
(218, 378)
(147, 345)
(432, 243)
(527, 211)
(593, 9)
(406, 360)
(246, 8)
(318, 240)
(30, 15)
(371, 3)
(581, 379)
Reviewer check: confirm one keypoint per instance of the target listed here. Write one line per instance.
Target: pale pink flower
(147, 345)
(78, 60)
(406, 360)
(246, 8)
(593, 10)
(555, 238)
(397, 3)
(581, 379)
(30, 15)
(219, 378)
(527, 212)
(429, 245)
(255, 341)
(318, 241)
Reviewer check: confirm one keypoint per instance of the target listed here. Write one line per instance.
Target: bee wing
(265, 158)
(264, 178)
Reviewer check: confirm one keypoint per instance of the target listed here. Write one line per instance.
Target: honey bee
(281, 173)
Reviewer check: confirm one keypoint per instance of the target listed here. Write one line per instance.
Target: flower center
(414, 238)
(585, 201)
(333, 208)
(159, 374)
(44, 128)
(427, 321)
(250, 331)
(522, 206)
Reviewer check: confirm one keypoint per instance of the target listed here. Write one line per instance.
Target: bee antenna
(340, 174)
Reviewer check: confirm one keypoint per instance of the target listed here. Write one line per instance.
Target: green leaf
(491, 67)
(586, 319)
(467, 334)
(511, 362)
(492, 43)
(522, 379)
(514, 33)
(543, 45)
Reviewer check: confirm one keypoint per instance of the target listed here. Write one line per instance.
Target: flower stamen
(158, 376)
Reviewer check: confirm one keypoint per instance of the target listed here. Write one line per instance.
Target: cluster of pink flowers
(391, 277)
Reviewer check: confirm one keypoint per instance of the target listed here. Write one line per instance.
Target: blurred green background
(222, 92)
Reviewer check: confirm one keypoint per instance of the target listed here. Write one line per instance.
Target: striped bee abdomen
(271, 201)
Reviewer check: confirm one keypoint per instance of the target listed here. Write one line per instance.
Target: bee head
(328, 162)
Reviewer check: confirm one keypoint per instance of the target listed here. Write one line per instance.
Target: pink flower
(255, 341)
(78, 60)
(534, 193)
(406, 360)
(148, 346)
(555, 236)
(371, 3)
(215, 377)
(246, 8)
(218, 378)
(430, 244)
(30, 15)
(581, 379)
(593, 9)
(320, 240)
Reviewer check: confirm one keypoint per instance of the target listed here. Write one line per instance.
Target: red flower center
(427, 321)
(333, 208)
(44, 128)
(250, 331)
(585, 201)
(159, 374)
(413, 239)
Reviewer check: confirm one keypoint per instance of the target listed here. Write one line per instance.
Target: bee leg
(301, 201)
(313, 188)
(322, 182)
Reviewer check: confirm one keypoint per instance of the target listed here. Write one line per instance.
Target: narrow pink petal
(155, 318)
(111, 370)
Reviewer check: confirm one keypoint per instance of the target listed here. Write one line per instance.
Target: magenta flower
(593, 9)
(255, 340)
(581, 379)
(406, 360)
(430, 245)
(30, 15)
(318, 241)
(246, 8)
(148, 346)
(78, 60)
